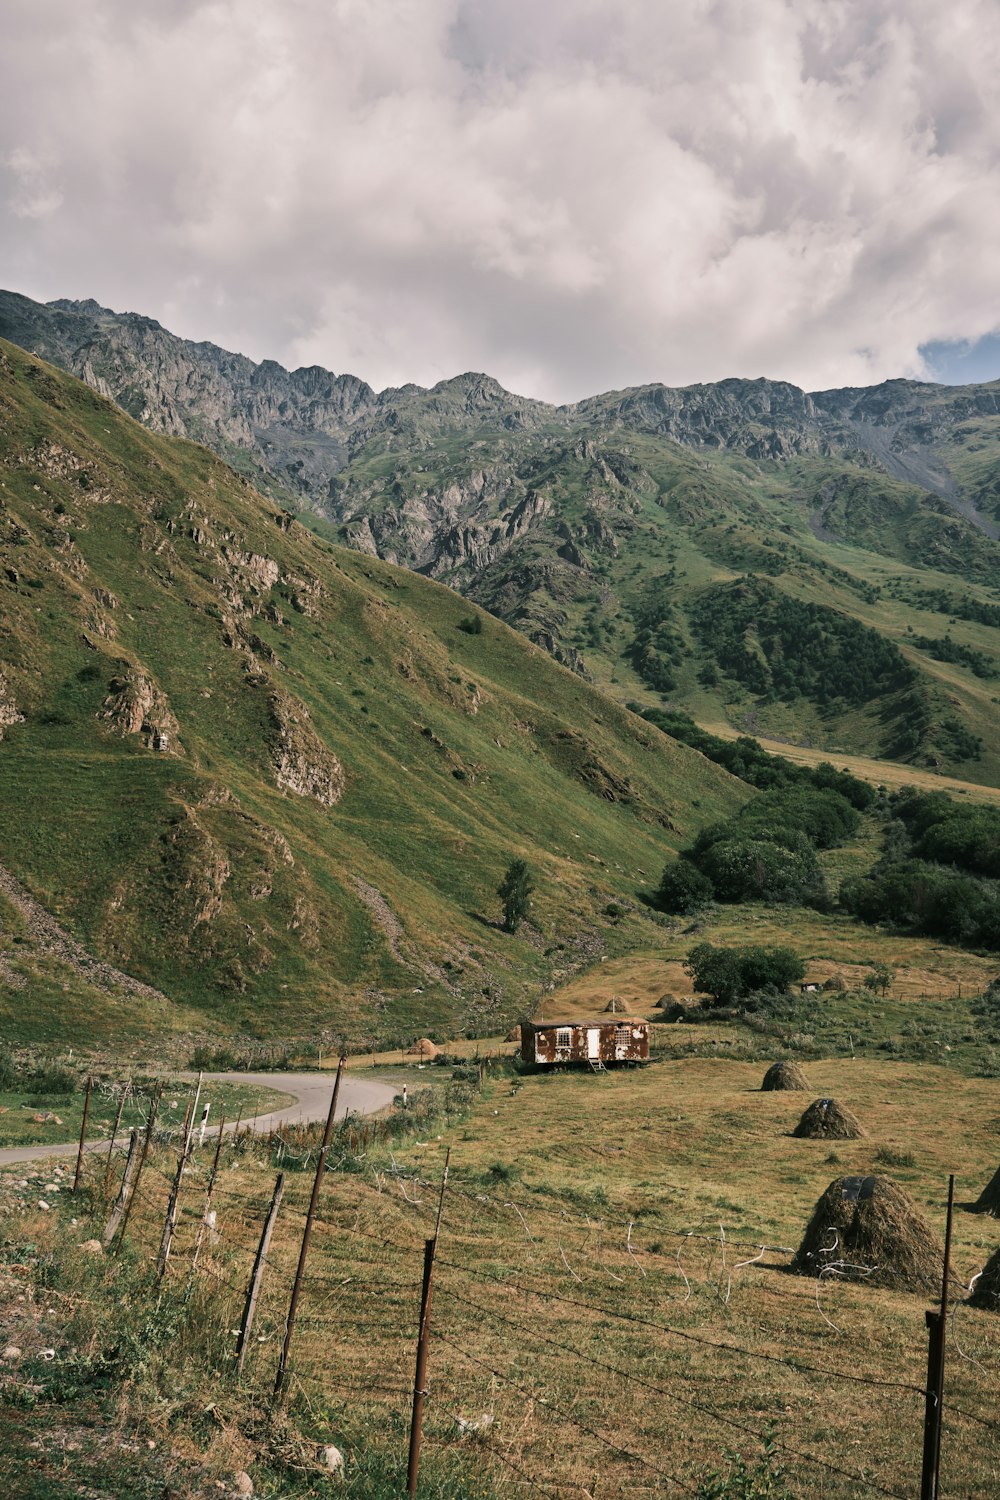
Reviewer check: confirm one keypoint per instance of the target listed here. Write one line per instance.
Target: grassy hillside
(280, 780)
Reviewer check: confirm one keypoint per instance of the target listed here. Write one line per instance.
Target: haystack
(986, 1288)
(835, 982)
(829, 1120)
(784, 1075)
(616, 1006)
(423, 1047)
(988, 1201)
(866, 1229)
(666, 1002)
(513, 1035)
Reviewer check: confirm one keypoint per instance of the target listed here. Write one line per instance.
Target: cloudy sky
(573, 195)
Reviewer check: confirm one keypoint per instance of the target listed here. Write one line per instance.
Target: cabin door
(593, 1044)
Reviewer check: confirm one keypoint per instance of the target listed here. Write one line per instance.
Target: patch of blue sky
(964, 361)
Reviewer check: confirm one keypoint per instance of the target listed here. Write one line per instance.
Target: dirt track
(310, 1101)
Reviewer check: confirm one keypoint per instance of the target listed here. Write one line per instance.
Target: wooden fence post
(83, 1134)
(154, 1105)
(114, 1136)
(253, 1290)
(423, 1340)
(208, 1198)
(123, 1192)
(170, 1221)
(293, 1302)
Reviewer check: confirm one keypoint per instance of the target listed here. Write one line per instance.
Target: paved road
(310, 1101)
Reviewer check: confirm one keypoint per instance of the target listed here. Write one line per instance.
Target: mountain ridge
(601, 529)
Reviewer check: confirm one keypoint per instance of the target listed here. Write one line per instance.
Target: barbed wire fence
(568, 1350)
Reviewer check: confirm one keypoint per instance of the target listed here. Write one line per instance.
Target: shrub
(728, 974)
(683, 889)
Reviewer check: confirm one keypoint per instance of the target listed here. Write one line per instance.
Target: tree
(729, 974)
(514, 891)
(879, 977)
(683, 889)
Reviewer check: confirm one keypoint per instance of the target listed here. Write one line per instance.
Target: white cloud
(573, 195)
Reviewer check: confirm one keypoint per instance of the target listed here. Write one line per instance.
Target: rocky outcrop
(135, 705)
(9, 711)
(302, 763)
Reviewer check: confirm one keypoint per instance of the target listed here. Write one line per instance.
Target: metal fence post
(293, 1302)
(423, 1340)
(937, 1320)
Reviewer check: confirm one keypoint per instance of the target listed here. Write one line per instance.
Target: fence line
(373, 1219)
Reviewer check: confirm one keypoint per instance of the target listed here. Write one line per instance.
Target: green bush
(729, 974)
(683, 889)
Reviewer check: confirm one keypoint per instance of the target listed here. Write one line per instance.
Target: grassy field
(612, 1290)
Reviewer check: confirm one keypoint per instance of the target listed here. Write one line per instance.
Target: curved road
(310, 1102)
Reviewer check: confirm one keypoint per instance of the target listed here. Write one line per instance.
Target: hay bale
(513, 1035)
(835, 982)
(828, 1120)
(784, 1075)
(986, 1287)
(423, 1047)
(988, 1201)
(866, 1229)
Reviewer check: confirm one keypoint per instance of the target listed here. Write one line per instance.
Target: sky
(571, 195)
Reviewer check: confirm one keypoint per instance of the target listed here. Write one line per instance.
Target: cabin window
(563, 1037)
(623, 1035)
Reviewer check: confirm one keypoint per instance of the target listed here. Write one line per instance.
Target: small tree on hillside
(515, 891)
(879, 977)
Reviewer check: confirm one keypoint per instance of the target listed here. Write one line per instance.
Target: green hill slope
(280, 780)
(613, 532)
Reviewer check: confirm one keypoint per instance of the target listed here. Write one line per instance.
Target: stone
(243, 1483)
(331, 1458)
(11, 1353)
(43, 1205)
(92, 1247)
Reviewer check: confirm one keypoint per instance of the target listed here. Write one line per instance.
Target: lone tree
(514, 891)
(879, 977)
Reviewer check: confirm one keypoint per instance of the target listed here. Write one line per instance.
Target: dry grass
(892, 774)
(589, 1224)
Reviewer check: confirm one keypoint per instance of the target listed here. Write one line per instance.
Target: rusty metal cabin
(600, 1042)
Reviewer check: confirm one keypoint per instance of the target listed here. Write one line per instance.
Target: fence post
(208, 1197)
(937, 1320)
(123, 1191)
(423, 1340)
(114, 1136)
(253, 1289)
(154, 1105)
(170, 1221)
(83, 1134)
(293, 1302)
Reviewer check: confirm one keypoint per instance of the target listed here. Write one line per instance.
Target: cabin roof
(618, 1019)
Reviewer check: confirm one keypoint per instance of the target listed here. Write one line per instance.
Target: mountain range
(820, 567)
